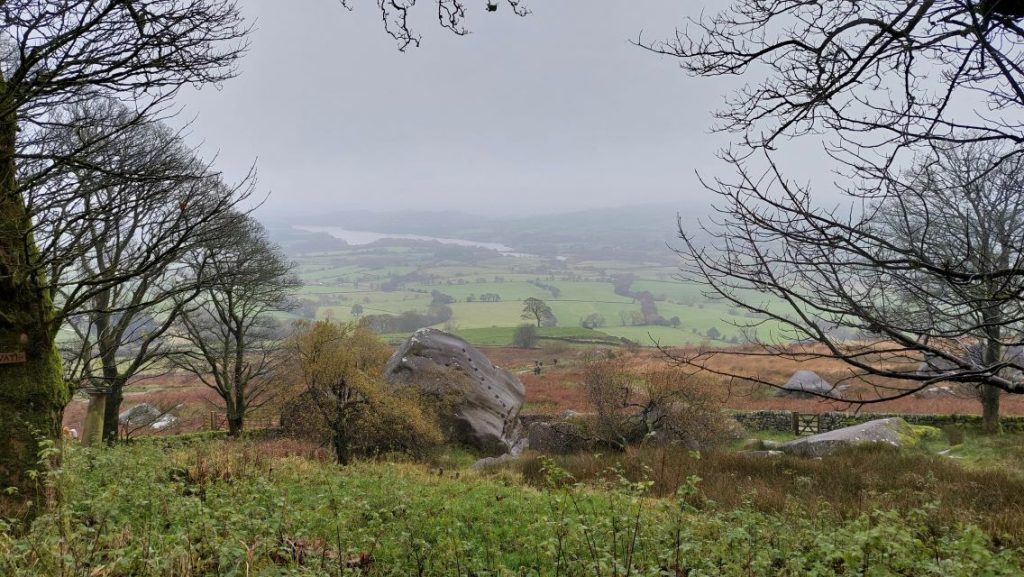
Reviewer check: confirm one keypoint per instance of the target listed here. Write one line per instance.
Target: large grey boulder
(892, 431)
(486, 400)
(807, 384)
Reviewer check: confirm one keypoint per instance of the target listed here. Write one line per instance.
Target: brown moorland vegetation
(848, 484)
(557, 388)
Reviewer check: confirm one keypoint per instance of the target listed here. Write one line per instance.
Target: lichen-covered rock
(138, 414)
(809, 384)
(146, 415)
(485, 399)
(893, 431)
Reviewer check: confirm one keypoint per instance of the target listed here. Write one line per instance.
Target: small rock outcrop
(485, 399)
(807, 384)
(892, 431)
(938, 392)
(146, 415)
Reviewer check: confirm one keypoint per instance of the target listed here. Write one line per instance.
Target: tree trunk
(990, 410)
(111, 425)
(236, 423)
(992, 355)
(112, 380)
(32, 392)
(341, 450)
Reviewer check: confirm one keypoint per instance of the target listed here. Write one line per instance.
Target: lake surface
(356, 237)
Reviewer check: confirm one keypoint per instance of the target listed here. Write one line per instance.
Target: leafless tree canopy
(930, 271)
(58, 58)
(63, 51)
(877, 74)
(451, 15)
(113, 218)
(919, 103)
(64, 65)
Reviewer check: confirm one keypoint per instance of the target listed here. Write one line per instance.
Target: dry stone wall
(782, 421)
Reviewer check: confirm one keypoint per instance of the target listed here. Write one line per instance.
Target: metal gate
(806, 424)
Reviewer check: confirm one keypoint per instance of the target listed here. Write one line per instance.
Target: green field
(392, 278)
(200, 508)
(502, 336)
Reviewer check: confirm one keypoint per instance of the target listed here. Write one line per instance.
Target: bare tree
(964, 208)
(886, 84)
(451, 15)
(141, 202)
(878, 75)
(665, 404)
(929, 272)
(54, 54)
(233, 340)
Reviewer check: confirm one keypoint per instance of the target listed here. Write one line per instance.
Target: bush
(525, 337)
(555, 347)
(344, 400)
(954, 434)
(393, 422)
(664, 405)
(397, 423)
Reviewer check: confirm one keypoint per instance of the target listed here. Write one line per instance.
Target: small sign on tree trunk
(12, 358)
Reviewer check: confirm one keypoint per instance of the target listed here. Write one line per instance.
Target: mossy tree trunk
(32, 393)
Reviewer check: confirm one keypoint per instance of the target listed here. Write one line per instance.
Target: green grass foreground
(249, 509)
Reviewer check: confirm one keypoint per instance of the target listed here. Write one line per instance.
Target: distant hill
(630, 232)
(295, 241)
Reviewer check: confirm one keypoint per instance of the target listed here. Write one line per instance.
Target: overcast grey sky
(552, 112)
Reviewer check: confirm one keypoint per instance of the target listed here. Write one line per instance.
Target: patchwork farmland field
(485, 291)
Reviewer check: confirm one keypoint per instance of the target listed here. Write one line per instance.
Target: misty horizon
(555, 112)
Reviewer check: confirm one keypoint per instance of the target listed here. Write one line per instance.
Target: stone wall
(778, 421)
(782, 421)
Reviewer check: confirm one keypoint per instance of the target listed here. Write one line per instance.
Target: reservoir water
(355, 237)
